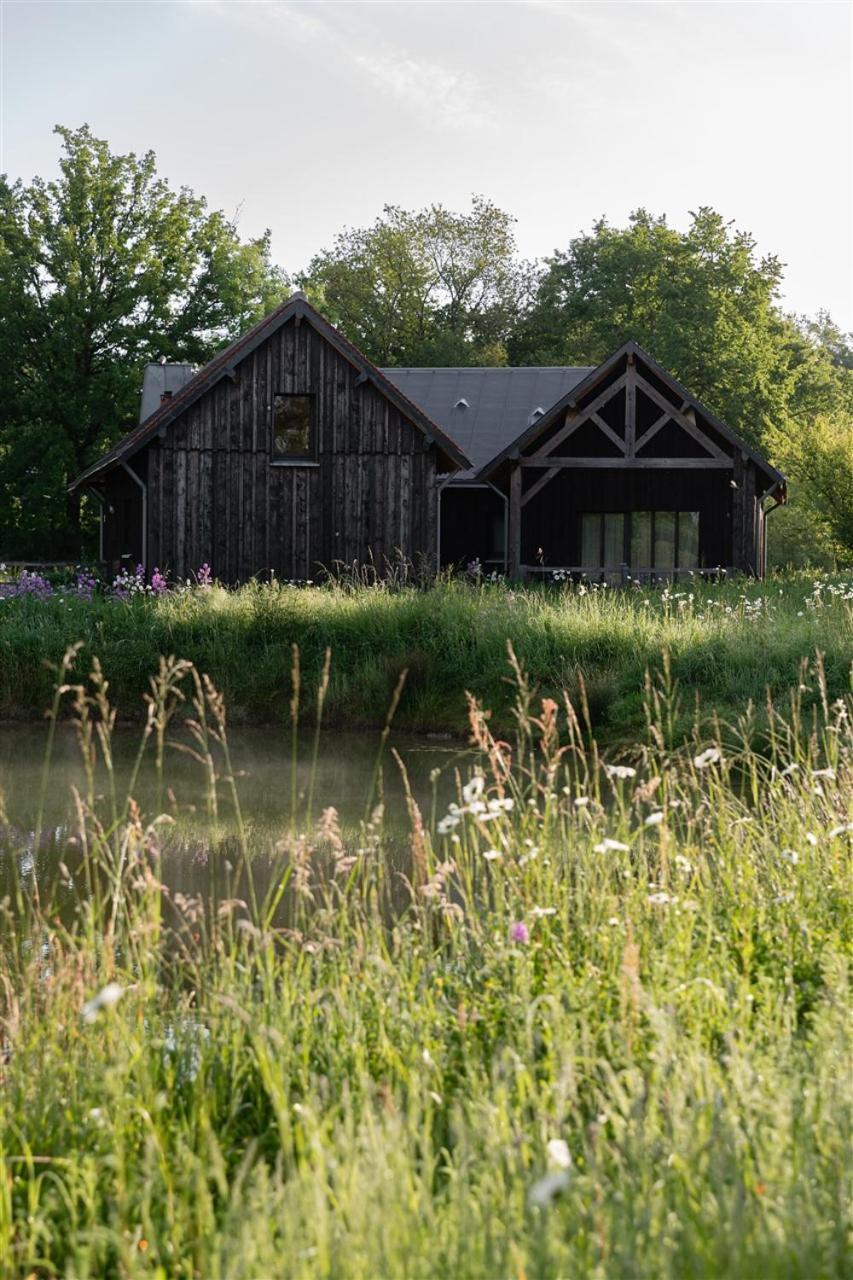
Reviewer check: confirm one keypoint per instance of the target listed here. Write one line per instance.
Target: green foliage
(822, 460)
(424, 288)
(698, 301)
(727, 645)
(101, 270)
(598, 1028)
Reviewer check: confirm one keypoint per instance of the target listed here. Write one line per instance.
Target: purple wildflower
(519, 932)
(33, 584)
(159, 585)
(84, 584)
(204, 577)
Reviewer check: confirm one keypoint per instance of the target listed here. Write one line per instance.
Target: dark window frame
(627, 534)
(295, 459)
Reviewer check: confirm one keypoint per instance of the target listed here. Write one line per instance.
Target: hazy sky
(311, 116)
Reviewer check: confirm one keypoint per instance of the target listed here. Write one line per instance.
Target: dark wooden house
(290, 453)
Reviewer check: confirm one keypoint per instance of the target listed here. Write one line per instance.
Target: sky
(308, 117)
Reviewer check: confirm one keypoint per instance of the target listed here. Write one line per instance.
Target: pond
(347, 774)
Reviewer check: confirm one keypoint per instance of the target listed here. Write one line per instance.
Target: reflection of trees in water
(199, 860)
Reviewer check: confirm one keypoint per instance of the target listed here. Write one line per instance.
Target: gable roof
(531, 434)
(484, 409)
(224, 365)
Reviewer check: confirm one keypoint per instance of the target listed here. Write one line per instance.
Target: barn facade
(290, 453)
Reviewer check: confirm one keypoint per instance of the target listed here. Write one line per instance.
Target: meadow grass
(605, 1032)
(727, 644)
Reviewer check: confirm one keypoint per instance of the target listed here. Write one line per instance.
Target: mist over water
(199, 846)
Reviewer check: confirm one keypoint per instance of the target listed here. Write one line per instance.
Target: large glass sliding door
(645, 541)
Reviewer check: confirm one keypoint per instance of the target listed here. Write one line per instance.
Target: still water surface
(345, 776)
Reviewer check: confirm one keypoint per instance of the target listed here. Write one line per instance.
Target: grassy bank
(727, 645)
(605, 1035)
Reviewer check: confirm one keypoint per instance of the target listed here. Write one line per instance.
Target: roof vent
(538, 412)
(461, 404)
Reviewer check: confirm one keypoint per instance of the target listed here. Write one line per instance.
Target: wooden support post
(738, 558)
(630, 410)
(514, 548)
(750, 548)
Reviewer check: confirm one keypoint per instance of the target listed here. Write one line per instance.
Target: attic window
(537, 413)
(291, 428)
(461, 404)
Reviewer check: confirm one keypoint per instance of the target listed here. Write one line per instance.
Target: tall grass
(727, 644)
(599, 1028)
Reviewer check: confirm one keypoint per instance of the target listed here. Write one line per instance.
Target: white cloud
(434, 93)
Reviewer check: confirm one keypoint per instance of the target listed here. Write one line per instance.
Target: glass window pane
(614, 539)
(664, 540)
(688, 539)
(291, 426)
(591, 540)
(641, 540)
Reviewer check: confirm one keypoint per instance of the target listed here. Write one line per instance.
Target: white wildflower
(539, 912)
(811, 839)
(473, 789)
(504, 804)
(559, 1156)
(712, 755)
(611, 846)
(491, 855)
(105, 999)
(580, 802)
(845, 829)
(683, 864)
(791, 855)
(620, 771)
(824, 773)
(544, 1191)
(447, 823)
(661, 899)
(654, 819)
(614, 921)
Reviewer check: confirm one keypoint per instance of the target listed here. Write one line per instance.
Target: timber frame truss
(621, 416)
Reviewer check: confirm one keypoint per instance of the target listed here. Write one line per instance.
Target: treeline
(107, 267)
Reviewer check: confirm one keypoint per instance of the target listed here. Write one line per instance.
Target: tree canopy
(101, 270)
(430, 287)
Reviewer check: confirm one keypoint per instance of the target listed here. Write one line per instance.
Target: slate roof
(500, 402)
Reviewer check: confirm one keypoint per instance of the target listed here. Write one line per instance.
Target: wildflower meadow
(595, 1023)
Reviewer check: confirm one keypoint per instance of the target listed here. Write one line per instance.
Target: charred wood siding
(215, 494)
(552, 522)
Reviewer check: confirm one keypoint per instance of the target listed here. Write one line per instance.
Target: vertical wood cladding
(216, 496)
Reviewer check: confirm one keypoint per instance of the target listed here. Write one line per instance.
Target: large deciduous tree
(430, 287)
(700, 301)
(101, 270)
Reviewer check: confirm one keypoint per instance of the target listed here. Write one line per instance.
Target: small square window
(291, 427)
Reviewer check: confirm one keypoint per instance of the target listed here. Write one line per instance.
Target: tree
(424, 288)
(101, 270)
(700, 301)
